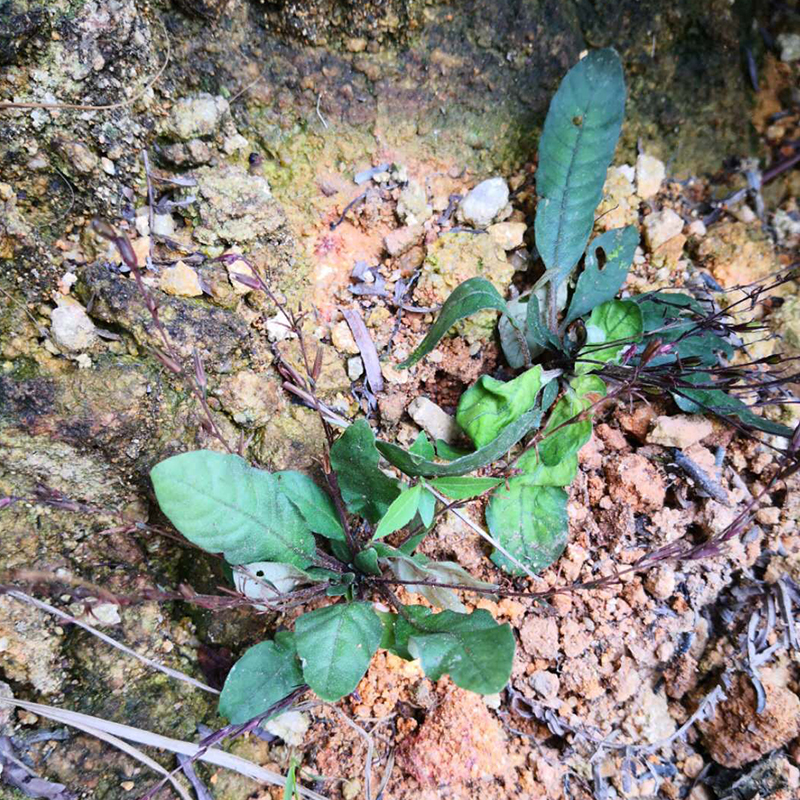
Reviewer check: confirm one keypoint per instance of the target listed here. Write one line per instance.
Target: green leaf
(475, 651)
(473, 295)
(588, 384)
(400, 512)
(704, 401)
(578, 141)
(263, 676)
(598, 284)
(530, 522)
(538, 474)
(313, 503)
(366, 491)
(335, 645)
(427, 508)
(367, 561)
(615, 321)
(341, 584)
(447, 452)
(220, 503)
(422, 446)
(290, 786)
(388, 620)
(558, 445)
(415, 466)
(535, 326)
(463, 488)
(489, 405)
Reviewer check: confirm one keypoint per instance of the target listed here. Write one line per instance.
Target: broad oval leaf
(559, 443)
(416, 466)
(473, 649)
(220, 503)
(366, 491)
(400, 512)
(616, 322)
(580, 134)
(335, 645)
(597, 284)
(538, 474)
(314, 504)
(530, 522)
(489, 405)
(263, 676)
(464, 487)
(469, 297)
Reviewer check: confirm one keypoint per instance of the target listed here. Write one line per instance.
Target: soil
(256, 117)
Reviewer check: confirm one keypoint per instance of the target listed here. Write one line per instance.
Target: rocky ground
(340, 151)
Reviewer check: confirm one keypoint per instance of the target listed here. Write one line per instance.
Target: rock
(412, 205)
(181, 281)
(342, 338)
(252, 398)
(737, 734)
(681, 431)
(790, 46)
(77, 155)
(648, 720)
(355, 368)
(96, 614)
(660, 227)
(634, 481)
(71, 327)
(545, 683)
(239, 267)
(787, 228)
(290, 726)
(435, 422)
(459, 742)
(620, 205)
(279, 328)
(508, 235)
(650, 174)
(195, 116)
(483, 203)
(402, 240)
(697, 228)
(539, 637)
(209, 9)
(660, 582)
(163, 225)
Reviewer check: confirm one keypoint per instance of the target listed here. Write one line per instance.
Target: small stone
(108, 166)
(650, 174)
(163, 225)
(545, 683)
(539, 637)
(252, 398)
(436, 423)
(66, 282)
(239, 267)
(660, 582)
(787, 228)
(412, 205)
(492, 701)
(356, 45)
(342, 338)
(96, 614)
(355, 368)
(351, 789)
(71, 327)
(279, 328)
(790, 46)
(233, 144)
(78, 156)
(197, 151)
(402, 240)
(483, 203)
(681, 431)
(196, 116)
(181, 280)
(290, 726)
(508, 235)
(127, 785)
(697, 229)
(693, 766)
(661, 227)
(394, 375)
(768, 516)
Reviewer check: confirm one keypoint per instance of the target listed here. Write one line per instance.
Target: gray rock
(436, 423)
(196, 116)
(355, 368)
(790, 46)
(72, 328)
(483, 203)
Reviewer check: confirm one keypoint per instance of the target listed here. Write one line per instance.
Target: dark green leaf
(416, 466)
(422, 446)
(407, 548)
(314, 504)
(366, 491)
(400, 512)
(530, 522)
(220, 503)
(388, 620)
(489, 405)
(341, 584)
(598, 284)
(463, 488)
(538, 474)
(335, 645)
(367, 561)
(535, 327)
(475, 294)
(616, 322)
(578, 141)
(473, 649)
(263, 676)
(565, 442)
(447, 452)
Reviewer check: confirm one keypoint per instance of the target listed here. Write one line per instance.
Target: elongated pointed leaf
(475, 294)
(335, 645)
(598, 284)
(415, 466)
(473, 649)
(566, 441)
(530, 522)
(464, 487)
(265, 674)
(314, 504)
(220, 503)
(366, 491)
(427, 508)
(400, 512)
(580, 134)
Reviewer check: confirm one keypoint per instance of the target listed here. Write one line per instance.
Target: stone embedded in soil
(737, 735)
(459, 741)
(790, 46)
(539, 637)
(195, 116)
(737, 254)
(180, 281)
(437, 423)
(650, 173)
(251, 398)
(508, 235)
(401, 240)
(634, 481)
(71, 327)
(660, 227)
(290, 726)
(342, 338)
(484, 203)
(681, 431)
(412, 205)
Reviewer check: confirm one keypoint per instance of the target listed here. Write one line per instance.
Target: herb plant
(291, 542)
